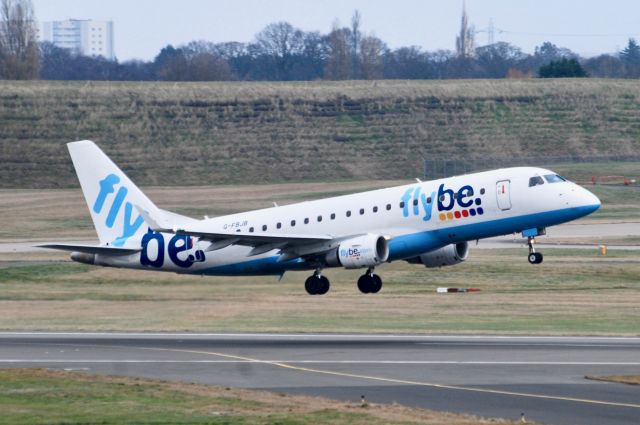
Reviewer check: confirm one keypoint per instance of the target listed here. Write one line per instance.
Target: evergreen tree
(630, 56)
(563, 68)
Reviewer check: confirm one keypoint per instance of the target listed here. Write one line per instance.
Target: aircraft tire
(538, 258)
(324, 286)
(312, 285)
(532, 258)
(377, 284)
(365, 283)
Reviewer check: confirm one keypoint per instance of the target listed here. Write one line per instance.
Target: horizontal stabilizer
(91, 249)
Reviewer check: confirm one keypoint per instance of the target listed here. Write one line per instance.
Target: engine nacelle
(83, 257)
(445, 256)
(362, 251)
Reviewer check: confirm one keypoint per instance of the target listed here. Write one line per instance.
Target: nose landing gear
(534, 257)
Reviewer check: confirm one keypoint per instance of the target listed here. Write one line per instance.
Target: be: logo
(447, 198)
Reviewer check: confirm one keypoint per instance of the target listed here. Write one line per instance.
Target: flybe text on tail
(129, 227)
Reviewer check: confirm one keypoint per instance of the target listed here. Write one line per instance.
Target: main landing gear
(369, 283)
(317, 284)
(534, 257)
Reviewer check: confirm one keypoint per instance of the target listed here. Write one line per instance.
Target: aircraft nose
(589, 201)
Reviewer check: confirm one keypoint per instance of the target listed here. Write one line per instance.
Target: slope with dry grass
(197, 133)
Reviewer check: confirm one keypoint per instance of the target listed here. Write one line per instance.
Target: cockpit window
(554, 178)
(535, 181)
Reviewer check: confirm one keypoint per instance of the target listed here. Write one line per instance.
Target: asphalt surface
(542, 377)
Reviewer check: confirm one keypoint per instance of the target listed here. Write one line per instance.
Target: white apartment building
(84, 37)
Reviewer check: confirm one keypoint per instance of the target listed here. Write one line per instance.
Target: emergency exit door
(504, 194)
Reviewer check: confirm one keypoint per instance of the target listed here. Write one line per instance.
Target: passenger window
(264, 227)
(361, 211)
(251, 229)
(388, 207)
(535, 181)
(375, 209)
(293, 223)
(319, 218)
(348, 213)
(279, 225)
(482, 191)
(306, 220)
(415, 202)
(554, 178)
(333, 216)
(429, 200)
(402, 204)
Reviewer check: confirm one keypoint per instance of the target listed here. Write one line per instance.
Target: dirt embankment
(214, 133)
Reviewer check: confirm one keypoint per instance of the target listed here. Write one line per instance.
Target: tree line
(282, 52)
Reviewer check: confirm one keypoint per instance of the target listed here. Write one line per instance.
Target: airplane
(428, 223)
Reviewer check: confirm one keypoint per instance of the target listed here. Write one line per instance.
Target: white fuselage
(415, 219)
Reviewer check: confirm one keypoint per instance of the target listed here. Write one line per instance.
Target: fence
(440, 167)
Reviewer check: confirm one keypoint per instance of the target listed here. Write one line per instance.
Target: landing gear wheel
(377, 284)
(534, 257)
(324, 286)
(365, 283)
(311, 285)
(317, 285)
(369, 283)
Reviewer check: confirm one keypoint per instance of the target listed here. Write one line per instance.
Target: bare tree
(18, 44)
(371, 51)
(339, 60)
(465, 40)
(281, 41)
(208, 67)
(356, 36)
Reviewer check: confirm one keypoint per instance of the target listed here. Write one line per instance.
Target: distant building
(84, 37)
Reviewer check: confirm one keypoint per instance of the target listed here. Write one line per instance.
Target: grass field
(572, 292)
(37, 396)
(228, 133)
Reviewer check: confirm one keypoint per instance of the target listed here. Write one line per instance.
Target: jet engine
(362, 251)
(83, 257)
(445, 256)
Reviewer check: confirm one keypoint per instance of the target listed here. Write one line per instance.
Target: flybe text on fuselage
(450, 204)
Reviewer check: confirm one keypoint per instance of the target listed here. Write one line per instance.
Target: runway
(542, 377)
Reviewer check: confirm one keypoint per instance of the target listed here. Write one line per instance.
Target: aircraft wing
(290, 245)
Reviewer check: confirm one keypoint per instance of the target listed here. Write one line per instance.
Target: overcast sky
(143, 27)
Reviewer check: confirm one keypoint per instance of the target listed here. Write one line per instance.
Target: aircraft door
(503, 194)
